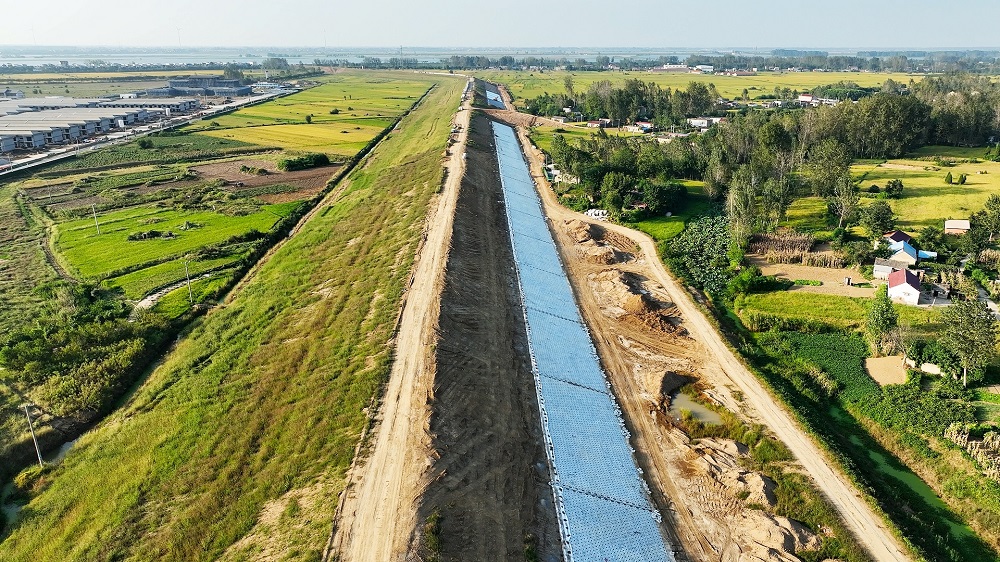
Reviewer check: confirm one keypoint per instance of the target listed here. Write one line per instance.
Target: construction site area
(555, 393)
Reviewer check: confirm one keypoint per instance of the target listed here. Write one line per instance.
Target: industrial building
(201, 86)
(33, 123)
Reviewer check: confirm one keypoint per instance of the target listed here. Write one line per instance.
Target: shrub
(304, 162)
(145, 143)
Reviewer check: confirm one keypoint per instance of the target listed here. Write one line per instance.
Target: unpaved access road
(859, 517)
(378, 511)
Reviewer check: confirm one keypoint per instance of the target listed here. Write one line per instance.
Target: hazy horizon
(521, 24)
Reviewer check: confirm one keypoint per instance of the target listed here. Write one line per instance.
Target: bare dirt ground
(886, 370)
(309, 182)
(723, 373)
(832, 278)
(489, 482)
(377, 515)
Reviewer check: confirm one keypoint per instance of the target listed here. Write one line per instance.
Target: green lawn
(927, 199)
(92, 255)
(259, 408)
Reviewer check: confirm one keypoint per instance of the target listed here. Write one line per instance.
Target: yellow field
(365, 102)
(331, 139)
(530, 84)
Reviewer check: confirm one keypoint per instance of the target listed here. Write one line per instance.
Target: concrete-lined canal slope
(603, 505)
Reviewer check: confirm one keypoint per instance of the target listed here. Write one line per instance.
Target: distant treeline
(919, 61)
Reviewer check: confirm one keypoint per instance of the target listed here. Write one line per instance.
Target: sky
(837, 24)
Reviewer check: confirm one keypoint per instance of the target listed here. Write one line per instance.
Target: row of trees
(635, 100)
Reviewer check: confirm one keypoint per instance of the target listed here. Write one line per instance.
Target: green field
(523, 84)
(91, 255)
(138, 284)
(259, 408)
(542, 134)
(927, 199)
(166, 148)
(841, 312)
(347, 111)
(332, 139)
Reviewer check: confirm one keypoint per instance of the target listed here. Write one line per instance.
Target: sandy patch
(886, 370)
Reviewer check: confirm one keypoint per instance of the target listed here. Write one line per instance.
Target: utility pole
(188, 277)
(31, 428)
(93, 208)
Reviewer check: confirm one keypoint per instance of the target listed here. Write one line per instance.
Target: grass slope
(246, 430)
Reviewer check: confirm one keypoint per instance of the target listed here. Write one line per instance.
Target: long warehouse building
(24, 128)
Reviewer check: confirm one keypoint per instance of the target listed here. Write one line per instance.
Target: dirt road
(378, 511)
(857, 514)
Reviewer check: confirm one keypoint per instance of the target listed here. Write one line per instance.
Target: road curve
(869, 529)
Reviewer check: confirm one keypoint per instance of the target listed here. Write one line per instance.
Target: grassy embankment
(238, 443)
(523, 84)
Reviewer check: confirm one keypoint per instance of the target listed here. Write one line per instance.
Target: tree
(962, 178)
(844, 200)
(971, 333)
(991, 215)
(232, 72)
(881, 323)
(877, 218)
(894, 189)
(827, 163)
(568, 84)
(948, 179)
(309, 118)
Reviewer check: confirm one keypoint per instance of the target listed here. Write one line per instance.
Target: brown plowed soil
(489, 482)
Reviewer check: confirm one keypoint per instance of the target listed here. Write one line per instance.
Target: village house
(957, 227)
(904, 287)
(883, 268)
(897, 236)
(903, 252)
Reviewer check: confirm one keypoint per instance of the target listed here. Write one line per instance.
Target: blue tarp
(603, 505)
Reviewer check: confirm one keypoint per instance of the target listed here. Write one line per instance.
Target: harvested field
(832, 278)
(230, 172)
(886, 370)
(489, 484)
